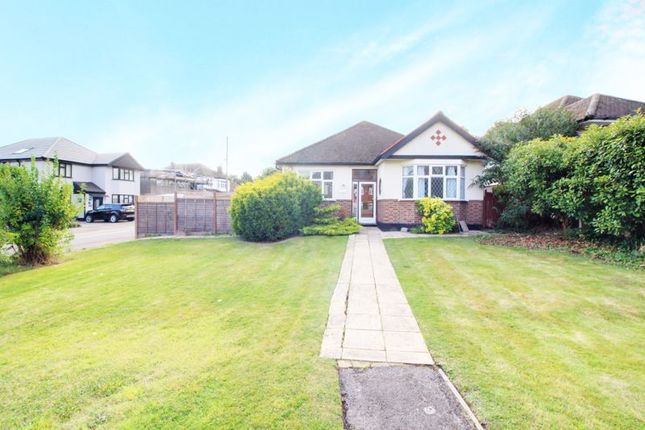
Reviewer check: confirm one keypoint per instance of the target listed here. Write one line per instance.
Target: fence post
(215, 212)
(136, 217)
(175, 215)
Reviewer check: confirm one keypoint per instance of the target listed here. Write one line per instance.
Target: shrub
(36, 210)
(329, 221)
(436, 216)
(597, 180)
(274, 208)
(532, 172)
(610, 174)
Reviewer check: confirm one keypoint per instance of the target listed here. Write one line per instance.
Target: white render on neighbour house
(96, 178)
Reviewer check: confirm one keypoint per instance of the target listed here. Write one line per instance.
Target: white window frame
(460, 178)
(321, 179)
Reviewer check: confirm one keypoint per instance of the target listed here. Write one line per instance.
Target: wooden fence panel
(186, 213)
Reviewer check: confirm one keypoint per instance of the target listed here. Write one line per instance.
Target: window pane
(315, 175)
(436, 189)
(423, 170)
(408, 171)
(327, 189)
(318, 183)
(451, 188)
(462, 183)
(437, 170)
(422, 187)
(408, 188)
(328, 175)
(451, 170)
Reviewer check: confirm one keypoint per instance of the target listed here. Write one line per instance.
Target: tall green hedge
(596, 181)
(274, 208)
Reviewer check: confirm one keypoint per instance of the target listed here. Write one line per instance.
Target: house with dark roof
(97, 178)
(377, 175)
(597, 109)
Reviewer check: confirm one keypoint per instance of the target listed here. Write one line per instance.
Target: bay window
(444, 182)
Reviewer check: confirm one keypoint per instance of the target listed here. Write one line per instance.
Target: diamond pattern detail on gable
(438, 137)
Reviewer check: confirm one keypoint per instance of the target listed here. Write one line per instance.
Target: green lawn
(155, 334)
(532, 339)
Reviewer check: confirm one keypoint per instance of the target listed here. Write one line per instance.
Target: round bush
(273, 208)
(436, 216)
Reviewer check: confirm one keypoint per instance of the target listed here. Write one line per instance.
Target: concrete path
(99, 233)
(369, 316)
(373, 334)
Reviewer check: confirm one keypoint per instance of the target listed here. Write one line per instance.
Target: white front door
(366, 203)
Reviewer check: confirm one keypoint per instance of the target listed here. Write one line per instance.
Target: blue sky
(168, 81)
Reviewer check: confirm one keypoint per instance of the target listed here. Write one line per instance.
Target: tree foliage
(503, 136)
(596, 180)
(274, 208)
(36, 210)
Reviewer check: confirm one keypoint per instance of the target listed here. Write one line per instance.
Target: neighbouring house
(597, 109)
(377, 175)
(206, 178)
(96, 178)
(166, 181)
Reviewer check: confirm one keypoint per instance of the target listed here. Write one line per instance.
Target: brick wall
(345, 206)
(404, 212)
(475, 212)
(397, 212)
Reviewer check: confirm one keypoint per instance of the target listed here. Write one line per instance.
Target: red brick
(405, 211)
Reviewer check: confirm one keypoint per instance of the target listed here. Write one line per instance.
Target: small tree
(246, 177)
(503, 136)
(36, 210)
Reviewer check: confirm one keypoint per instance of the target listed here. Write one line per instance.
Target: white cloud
(617, 37)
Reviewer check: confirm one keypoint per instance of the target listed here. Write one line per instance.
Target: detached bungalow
(376, 174)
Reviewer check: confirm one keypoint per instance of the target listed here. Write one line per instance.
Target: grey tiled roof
(562, 102)
(65, 150)
(362, 143)
(597, 106)
(48, 147)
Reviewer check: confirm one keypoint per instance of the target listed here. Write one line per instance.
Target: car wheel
(113, 218)
(89, 218)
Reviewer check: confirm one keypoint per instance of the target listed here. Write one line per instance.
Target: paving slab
(369, 307)
(395, 397)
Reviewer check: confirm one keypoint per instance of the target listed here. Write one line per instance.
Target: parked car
(112, 212)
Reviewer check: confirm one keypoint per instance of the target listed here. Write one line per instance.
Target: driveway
(101, 233)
